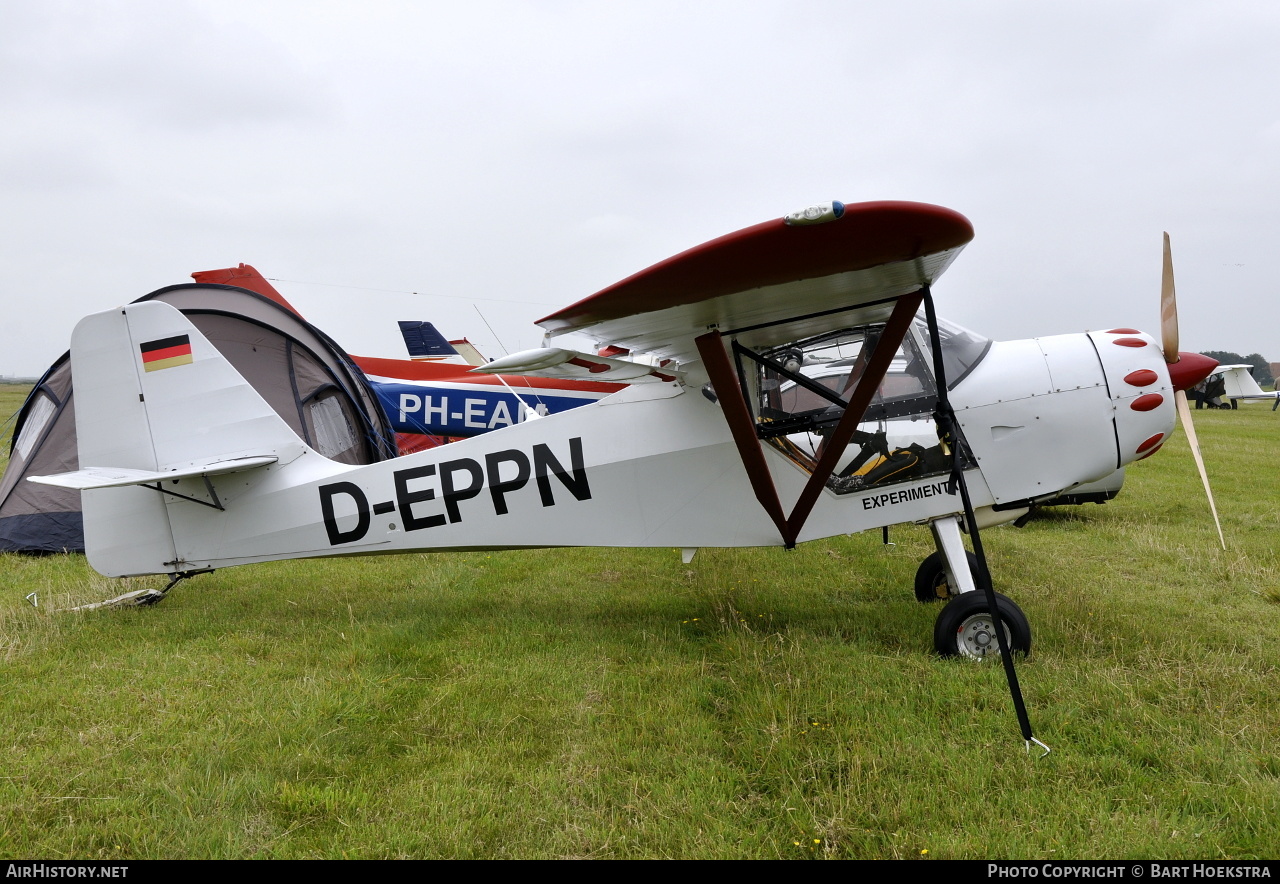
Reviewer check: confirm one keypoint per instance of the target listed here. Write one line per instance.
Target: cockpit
(804, 387)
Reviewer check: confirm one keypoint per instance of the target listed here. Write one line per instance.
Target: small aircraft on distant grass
(1238, 384)
(795, 384)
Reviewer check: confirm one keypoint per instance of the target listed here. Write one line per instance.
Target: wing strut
(733, 401)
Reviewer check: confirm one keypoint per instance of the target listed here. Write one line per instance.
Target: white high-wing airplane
(1239, 384)
(724, 435)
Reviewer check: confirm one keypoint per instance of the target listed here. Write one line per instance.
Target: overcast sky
(517, 156)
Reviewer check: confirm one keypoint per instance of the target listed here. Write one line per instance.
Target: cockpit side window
(835, 363)
(795, 398)
(896, 440)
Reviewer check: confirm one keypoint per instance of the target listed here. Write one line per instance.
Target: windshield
(961, 349)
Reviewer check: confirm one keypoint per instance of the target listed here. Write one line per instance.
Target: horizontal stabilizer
(113, 477)
(553, 362)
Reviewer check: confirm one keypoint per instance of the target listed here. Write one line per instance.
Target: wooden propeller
(1169, 341)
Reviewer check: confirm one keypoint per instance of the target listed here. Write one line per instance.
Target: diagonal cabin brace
(800, 380)
(738, 416)
(895, 331)
(775, 366)
(733, 402)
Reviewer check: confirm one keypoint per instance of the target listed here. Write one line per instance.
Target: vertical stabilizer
(1239, 383)
(153, 394)
(245, 277)
(125, 525)
(423, 341)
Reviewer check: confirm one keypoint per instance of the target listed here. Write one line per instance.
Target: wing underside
(775, 282)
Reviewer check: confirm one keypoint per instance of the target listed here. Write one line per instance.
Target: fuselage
(655, 465)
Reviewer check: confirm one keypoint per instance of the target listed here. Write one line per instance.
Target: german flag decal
(166, 353)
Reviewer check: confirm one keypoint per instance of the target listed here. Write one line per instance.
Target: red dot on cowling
(1143, 377)
(1147, 402)
(1154, 440)
(1129, 342)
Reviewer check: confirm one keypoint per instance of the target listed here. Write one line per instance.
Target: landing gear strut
(933, 583)
(966, 627)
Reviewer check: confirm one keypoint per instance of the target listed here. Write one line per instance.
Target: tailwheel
(965, 627)
(931, 578)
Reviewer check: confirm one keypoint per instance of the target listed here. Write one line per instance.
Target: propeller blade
(1168, 307)
(1184, 414)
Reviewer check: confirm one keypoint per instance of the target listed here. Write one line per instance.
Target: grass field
(605, 703)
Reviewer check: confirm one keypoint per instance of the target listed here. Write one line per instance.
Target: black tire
(964, 627)
(931, 577)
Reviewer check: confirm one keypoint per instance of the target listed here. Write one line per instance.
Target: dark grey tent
(307, 378)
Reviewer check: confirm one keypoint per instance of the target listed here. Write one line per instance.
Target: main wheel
(965, 627)
(931, 577)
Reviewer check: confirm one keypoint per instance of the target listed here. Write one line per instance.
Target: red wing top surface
(775, 272)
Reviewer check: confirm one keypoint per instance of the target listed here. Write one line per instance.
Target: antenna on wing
(530, 413)
(501, 346)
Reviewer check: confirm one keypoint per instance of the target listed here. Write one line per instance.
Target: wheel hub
(941, 588)
(977, 638)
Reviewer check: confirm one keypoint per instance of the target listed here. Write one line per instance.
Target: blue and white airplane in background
(433, 398)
